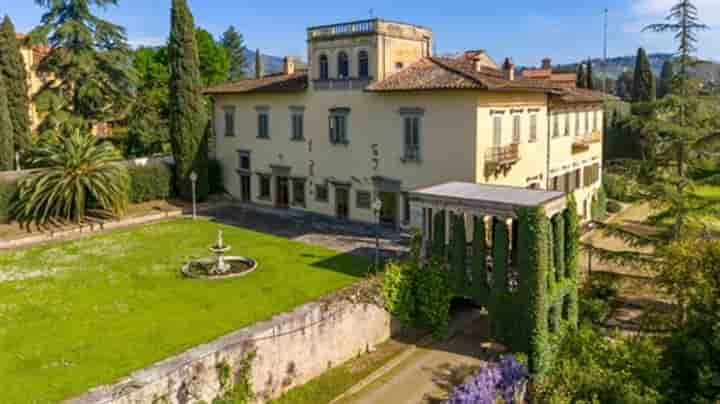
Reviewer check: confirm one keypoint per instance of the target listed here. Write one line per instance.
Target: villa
(377, 115)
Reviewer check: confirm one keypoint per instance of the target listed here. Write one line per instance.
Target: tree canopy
(214, 59)
(234, 45)
(643, 89)
(88, 69)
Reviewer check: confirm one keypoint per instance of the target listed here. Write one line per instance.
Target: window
(338, 126)
(517, 121)
(533, 129)
(411, 138)
(555, 184)
(567, 124)
(556, 126)
(321, 193)
(264, 187)
(363, 64)
(497, 131)
(263, 123)
(324, 72)
(229, 121)
(298, 189)
(363, 200)
(244, 160)
(578, 179)
(343, 65)
(297, 123)
(577, 124)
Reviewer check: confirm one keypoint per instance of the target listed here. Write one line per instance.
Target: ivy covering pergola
(513, 251)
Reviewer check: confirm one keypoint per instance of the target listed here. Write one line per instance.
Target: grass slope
(115, 303)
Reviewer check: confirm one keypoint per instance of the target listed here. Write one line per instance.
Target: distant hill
(271, 64)
(615, 66)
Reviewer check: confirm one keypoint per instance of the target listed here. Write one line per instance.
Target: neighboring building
(376, 115)
(32, 55)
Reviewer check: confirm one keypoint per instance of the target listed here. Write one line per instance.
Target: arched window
(343, 65)
(363, 64)
(324, 68)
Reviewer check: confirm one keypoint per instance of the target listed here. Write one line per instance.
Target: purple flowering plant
(505, 380)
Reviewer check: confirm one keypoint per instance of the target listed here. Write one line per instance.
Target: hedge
(7, 192)
(215, 177)
(150, 183)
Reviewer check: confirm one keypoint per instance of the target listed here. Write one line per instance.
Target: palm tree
(84, 178)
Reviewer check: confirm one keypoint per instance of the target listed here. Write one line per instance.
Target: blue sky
(527, 30)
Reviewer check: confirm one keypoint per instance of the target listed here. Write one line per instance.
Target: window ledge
(342, 143)
(406, 160)
(297, 139)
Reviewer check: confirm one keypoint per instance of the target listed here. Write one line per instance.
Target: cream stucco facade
(453, 133)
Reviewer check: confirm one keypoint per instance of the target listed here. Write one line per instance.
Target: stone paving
(345, 237)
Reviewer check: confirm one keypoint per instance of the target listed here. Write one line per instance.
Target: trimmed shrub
(398, 290)
(150, 183)
(434, 294)
(7, 192)
(458, 255)
(614, 206)
(438, 247)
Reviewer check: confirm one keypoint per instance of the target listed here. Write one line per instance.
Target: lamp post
(193, 182)
(377, 208)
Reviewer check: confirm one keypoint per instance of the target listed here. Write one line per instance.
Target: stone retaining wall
(290, 349)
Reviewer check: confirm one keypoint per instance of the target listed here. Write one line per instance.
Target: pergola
(518, 261)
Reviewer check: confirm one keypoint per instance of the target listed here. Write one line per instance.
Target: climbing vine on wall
(240, 391)
(458, 255)
(398, 291)
(480, 286)
(438, 245)
(558, 223)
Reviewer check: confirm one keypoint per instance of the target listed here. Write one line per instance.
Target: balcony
(342, 84)
(582, 143)
(345, 29)
(501, 158)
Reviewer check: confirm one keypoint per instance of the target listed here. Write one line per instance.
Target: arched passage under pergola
(512, 250)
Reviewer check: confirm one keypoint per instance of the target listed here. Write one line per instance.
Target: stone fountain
(220, 266)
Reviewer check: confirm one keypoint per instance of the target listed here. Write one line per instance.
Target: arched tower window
(324, 75)
(363, 64)
(343, 66)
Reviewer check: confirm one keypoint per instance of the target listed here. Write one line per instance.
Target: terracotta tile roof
(436, 73)
(275, 83)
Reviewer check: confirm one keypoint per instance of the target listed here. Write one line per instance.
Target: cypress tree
(7, 149)
(439, 236)
(188, 117)
(459, 254)
(479, 264)
(589, 76)
(666, 79)
(259, 68)
(12, 68)
(581, 79)
(643, 80)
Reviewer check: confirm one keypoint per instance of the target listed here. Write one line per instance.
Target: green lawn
(114, 303)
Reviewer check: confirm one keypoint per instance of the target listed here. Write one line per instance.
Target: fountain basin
(203, 268)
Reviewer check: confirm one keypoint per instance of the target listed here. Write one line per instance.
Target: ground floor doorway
(389, 211)
(282, 194)
(342, 203)
(245, 188)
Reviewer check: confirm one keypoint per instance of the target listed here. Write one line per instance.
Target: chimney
(289, 65)
(547, 64)
(509, 69)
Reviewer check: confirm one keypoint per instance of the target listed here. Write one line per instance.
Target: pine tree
(581, 78)
(643, 81)
(233, 43)
(187, 113)
(7, 149)
(88, 65)
(684, 21)
(12, 68)
(666, 79)
(259, 68)
(590, 84)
